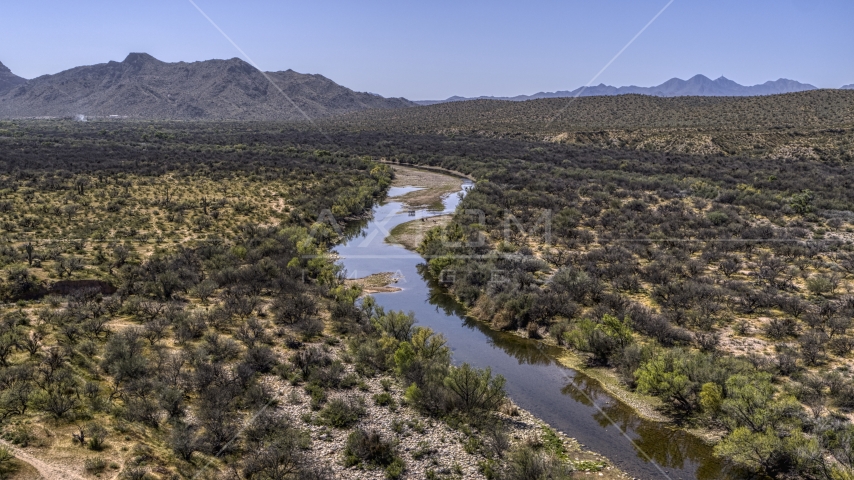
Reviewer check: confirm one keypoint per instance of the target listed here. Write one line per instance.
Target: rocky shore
(430, 447)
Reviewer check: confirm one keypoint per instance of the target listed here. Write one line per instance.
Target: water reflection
(671, 448)
(666, 446)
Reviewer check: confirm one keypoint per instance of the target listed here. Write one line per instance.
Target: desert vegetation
(816, 125)
(163, 282)
(719, 285)
(171, 311)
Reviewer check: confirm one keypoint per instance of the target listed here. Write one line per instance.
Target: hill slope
(143, 87)
(698, 85)
(817, 108)
(8, 80)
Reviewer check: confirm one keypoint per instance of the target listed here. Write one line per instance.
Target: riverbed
(566, 399)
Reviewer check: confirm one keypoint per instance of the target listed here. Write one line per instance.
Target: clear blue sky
(431, 50)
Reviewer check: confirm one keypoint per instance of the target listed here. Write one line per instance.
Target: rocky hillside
(8, 80)
(143, 87)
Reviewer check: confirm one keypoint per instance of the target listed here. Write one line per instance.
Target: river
(566, 399)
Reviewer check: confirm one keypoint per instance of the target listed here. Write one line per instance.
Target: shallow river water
(566, 399)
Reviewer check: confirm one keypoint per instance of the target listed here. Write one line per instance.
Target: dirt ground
(31, 467)
(435, 186)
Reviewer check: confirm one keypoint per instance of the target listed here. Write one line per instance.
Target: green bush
(317, 395)
(396, 469)
(474, 390)
(340, 413)
(384, 399)
(717, 218)
(821, 285)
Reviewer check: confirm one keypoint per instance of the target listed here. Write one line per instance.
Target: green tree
(711, 398)
(602, 339)
(663, 378)
(755, 451)
(397, 325)
(750, 402)
(424, 356)
(802, 202)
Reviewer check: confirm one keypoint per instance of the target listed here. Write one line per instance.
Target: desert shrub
(677, 376)
(821, 285)
(841, 345)
(778, 329)
(369, 356)
(219, 347)
(717, 218)
(135, 472)
(558, 330)
(97, 436)
(328, 377)
(260, 359)
(184, 440)
(293, 309)
(340, 413)
(316, 394)
(275, 448)
(95, 466)
(123, 355)
(812, 347)
(306, 360)
(527, 463)
(786, 360)
(384, 399)
(20, 435)
(310, 328)
(369, 448)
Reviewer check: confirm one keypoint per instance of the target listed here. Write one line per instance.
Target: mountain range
(848, 87)
(143, 87)
(698, 85)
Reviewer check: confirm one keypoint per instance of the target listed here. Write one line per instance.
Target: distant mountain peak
(4, 68)
(137, 58)
(848, 87)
